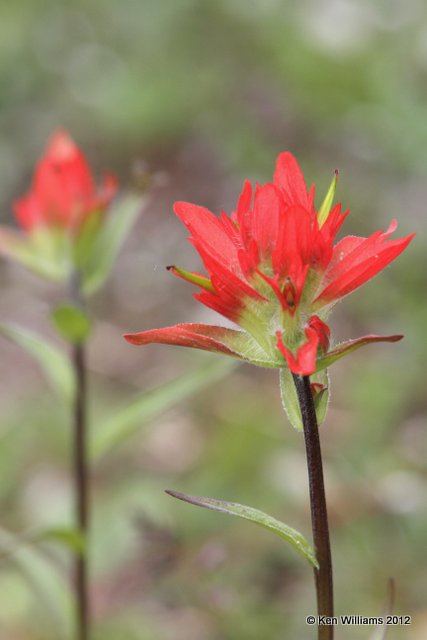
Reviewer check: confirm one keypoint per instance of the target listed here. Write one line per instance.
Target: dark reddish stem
(319, 514)
(81, 478)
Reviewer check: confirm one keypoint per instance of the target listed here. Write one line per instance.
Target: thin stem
(81, 479)
(319, 515)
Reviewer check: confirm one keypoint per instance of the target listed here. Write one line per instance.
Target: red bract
(273, 269)
(63, 193)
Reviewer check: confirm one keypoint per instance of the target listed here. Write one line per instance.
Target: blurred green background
(204, 94)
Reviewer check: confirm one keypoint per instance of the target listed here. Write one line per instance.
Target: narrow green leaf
(86, 238)
(72, 323)
(381, 630)
(53, 362)
(144, 407)
(321, 400)
(289, 397)
(36, 252)
(292, 536)
(69, 537)
(48, 585)
(109, 241)
(326, 205)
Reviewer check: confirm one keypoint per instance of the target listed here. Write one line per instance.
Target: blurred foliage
(204, 93)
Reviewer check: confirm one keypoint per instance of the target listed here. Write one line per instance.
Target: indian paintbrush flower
(274, 270)
(62, 212)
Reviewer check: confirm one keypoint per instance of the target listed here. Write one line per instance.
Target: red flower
(61, 218)
(273, 269)
(63, 193)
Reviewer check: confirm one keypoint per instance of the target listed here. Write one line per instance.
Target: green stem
(319, 515)
(81, 479)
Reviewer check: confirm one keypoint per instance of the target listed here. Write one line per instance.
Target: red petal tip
(61, 146)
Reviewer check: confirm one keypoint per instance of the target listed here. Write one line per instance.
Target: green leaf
(290, 398)
(86, 238)
(72, 323)
(144, 407)
(109, 241)
(69, 537)
(326, 205)
(37, 252)
(292, 536)
(54, 364)
(381, 630)
(321, 400)
(48, 585)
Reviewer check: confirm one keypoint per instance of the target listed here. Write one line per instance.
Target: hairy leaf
(292, 536)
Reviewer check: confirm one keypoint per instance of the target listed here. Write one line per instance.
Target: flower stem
(81, 479)
(319, 515)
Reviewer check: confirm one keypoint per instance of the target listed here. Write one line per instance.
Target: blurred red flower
(61, 217)
(63, 193)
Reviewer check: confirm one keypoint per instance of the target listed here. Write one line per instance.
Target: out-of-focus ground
(205, 94)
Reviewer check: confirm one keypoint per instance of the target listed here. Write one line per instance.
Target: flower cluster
(273, 269)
